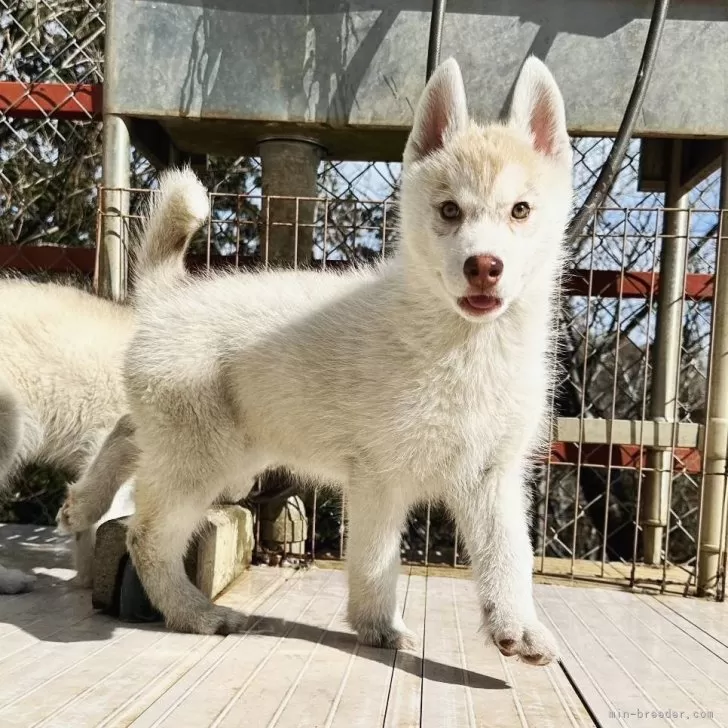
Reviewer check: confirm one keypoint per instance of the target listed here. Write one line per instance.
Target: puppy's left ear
(537, 109)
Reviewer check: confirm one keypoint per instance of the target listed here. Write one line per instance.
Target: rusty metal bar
(112, 258)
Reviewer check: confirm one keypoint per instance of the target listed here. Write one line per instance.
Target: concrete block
(282, 530)
(109, 561)
(217, 556)
(284, 525)
(224, 550)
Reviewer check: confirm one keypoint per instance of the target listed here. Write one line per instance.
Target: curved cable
(611, 166)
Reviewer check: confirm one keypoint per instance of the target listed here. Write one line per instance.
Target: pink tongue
(482, 302)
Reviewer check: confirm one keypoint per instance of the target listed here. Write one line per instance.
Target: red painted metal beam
(76, 102)
(604, 283)
(686, 460)
(50, 258)
(633, 284)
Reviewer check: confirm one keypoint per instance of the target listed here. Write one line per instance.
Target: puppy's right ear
(537, 110)
(441, 111)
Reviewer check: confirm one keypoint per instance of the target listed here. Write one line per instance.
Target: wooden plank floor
(639, 659)
(299, 665)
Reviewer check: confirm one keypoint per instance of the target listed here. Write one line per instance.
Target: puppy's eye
(520, 211)
(450, 210)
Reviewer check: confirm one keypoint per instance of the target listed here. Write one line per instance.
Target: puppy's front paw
(387, 636)
(531, 641)
(74, 515)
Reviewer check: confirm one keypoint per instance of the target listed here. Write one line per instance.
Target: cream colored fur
(62, 399)
(376, 380)
(61, 391)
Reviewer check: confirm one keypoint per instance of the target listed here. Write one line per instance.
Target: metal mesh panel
(49, 167)
(587, 494)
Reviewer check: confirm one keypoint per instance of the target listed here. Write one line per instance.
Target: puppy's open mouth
(479, 305)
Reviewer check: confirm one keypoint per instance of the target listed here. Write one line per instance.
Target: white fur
(377, 380)
(60, 381)
(62, 399)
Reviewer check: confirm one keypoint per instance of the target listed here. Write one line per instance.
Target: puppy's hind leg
(84, 546)
(83, 557)
(165, 518)
(12, 581)
(91, 496)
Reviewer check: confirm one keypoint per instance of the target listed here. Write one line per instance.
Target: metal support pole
(111, 258)
(713, 515)
(290, 169)
(666, 355)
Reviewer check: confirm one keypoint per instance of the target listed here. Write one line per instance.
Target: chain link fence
(585, 502)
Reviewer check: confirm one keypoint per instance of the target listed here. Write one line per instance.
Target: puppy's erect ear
(441, 111)
(537, 109)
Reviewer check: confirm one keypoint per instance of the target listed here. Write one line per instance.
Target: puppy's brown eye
(450, 210)
(520, 211)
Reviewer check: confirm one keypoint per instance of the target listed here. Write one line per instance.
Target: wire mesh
(587, 494)
(49, 168)
(589, 491)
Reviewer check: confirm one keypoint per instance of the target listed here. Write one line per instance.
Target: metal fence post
(666, 355)
(114, 204)
(290, 170)
(713, 515)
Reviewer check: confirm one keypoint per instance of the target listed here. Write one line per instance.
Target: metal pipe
(613, 164)
(290, 171)
(713, 516)
(666, 355)
(437, 18)
(111, 273)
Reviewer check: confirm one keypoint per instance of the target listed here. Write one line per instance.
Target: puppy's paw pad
(390, 638)
(533, 643)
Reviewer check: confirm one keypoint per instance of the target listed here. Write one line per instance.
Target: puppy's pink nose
(483, 271)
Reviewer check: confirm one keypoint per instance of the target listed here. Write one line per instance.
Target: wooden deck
(624, 656)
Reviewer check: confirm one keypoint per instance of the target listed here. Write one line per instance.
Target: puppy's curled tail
(176, 213)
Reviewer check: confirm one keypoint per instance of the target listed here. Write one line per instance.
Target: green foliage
(34, 496)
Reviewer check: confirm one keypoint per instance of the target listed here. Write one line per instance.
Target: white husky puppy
(61, 395)
(424, 378)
